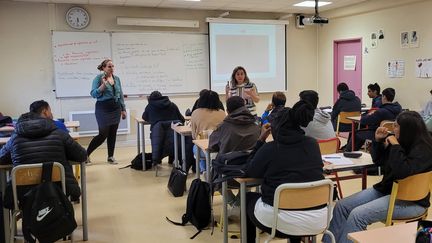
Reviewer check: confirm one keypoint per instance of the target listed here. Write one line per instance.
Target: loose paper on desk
(336, 159)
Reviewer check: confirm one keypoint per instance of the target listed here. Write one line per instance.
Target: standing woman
(106, 88)
(241, 86)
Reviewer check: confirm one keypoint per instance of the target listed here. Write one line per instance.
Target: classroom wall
(26, 65)
(411, 92)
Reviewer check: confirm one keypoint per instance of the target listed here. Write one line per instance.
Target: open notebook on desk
(336, 159)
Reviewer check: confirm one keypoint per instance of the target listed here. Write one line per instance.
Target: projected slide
(259, 48)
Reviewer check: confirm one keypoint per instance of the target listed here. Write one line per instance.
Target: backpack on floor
(48, 215)
(136, 163)
(198, 206)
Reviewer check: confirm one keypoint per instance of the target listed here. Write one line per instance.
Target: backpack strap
(127, 166)
(47, 171)
(195, 235)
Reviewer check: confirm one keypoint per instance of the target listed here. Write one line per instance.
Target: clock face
(77, 18)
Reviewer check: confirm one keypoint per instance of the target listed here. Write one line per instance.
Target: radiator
(88, 124)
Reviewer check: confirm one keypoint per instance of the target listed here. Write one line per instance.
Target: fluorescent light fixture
(193, 0)
(179, 23)
(311, 4)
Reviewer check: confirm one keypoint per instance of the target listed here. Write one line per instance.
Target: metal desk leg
(224, 212)
(352, 135)
(138, 138)
(243, 222)
(176, 161)
(197, 159)
(183, 147)
(84, 201)
(208, 170)
(6, 220)
(143, 146)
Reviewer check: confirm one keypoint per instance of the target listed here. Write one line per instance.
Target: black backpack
(230, 165)
(136, 163)
(198, 207)
(48, 215)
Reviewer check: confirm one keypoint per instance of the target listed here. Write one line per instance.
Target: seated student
(374, 94)
(347, 101)
(237, 132)
(42, 108)
(38, 140)
(387, 111)
(206, 118)
(320, 127)
(160, 108)
(291, 158)
(195, 106)
(278, 103)
(408, 152)
(427, 110)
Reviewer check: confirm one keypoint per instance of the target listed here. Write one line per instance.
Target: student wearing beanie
(291, 158)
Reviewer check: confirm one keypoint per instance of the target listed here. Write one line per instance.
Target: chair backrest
(329, 146)
(388, 124)
(343, 118)
(291, 196)
(31, 174)
(414, 187)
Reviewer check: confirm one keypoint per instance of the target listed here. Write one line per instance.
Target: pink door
(348, 65)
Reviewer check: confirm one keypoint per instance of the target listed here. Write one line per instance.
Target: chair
(343, 118)
(331, 146)
(412, 188)
(294, 196)
(388, 124)
(31, 175)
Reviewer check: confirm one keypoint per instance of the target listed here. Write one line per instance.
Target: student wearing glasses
(110, 106)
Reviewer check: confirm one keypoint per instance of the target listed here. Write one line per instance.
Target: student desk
(354, 120)
(183, 131)
(74, 125)
(202, 144)
(362, 163)
(141, 138)
(396, 233)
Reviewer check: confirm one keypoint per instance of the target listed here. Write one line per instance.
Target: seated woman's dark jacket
(399, 163)
(291, 158)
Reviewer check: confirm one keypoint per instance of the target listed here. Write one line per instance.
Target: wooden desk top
(183, 130)
(72, 124)
(140, 120)
(397, 233)
(7, 129)
(75, 135)
(354, 118)
(364, 161)
(201, 143)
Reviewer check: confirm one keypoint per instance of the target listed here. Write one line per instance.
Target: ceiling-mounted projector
(315, 20)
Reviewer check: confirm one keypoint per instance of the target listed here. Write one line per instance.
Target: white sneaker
(111, 160)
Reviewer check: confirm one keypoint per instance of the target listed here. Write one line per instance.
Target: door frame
(335, 63)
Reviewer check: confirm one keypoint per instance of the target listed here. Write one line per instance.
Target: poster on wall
(350, 63)
(424, 68)
(396, 69)
(374, 41)
(404, 40)
(414, 39)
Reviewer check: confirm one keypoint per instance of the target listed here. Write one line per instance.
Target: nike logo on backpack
(43, 213)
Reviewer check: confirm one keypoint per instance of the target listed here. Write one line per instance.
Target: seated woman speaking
(408, 152)
(291, 158)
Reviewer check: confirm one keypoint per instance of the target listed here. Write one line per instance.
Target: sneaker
(111, 160)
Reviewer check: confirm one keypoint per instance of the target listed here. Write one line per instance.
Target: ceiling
(277, 6)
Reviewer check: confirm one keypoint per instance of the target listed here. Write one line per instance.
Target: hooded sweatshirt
(347, 102)
(161, 109)
(205, 119)
(320, 127)
(37, 140)
(237, 132)
(387, 111)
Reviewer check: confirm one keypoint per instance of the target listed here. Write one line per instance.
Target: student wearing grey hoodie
(320, 127)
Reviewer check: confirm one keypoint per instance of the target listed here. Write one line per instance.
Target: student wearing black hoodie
(347, 101)
(387, 111)
(160, 108)
(291, 158)
(408, 152)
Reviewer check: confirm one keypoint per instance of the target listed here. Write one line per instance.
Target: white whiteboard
(169, 62)
(76, 56)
